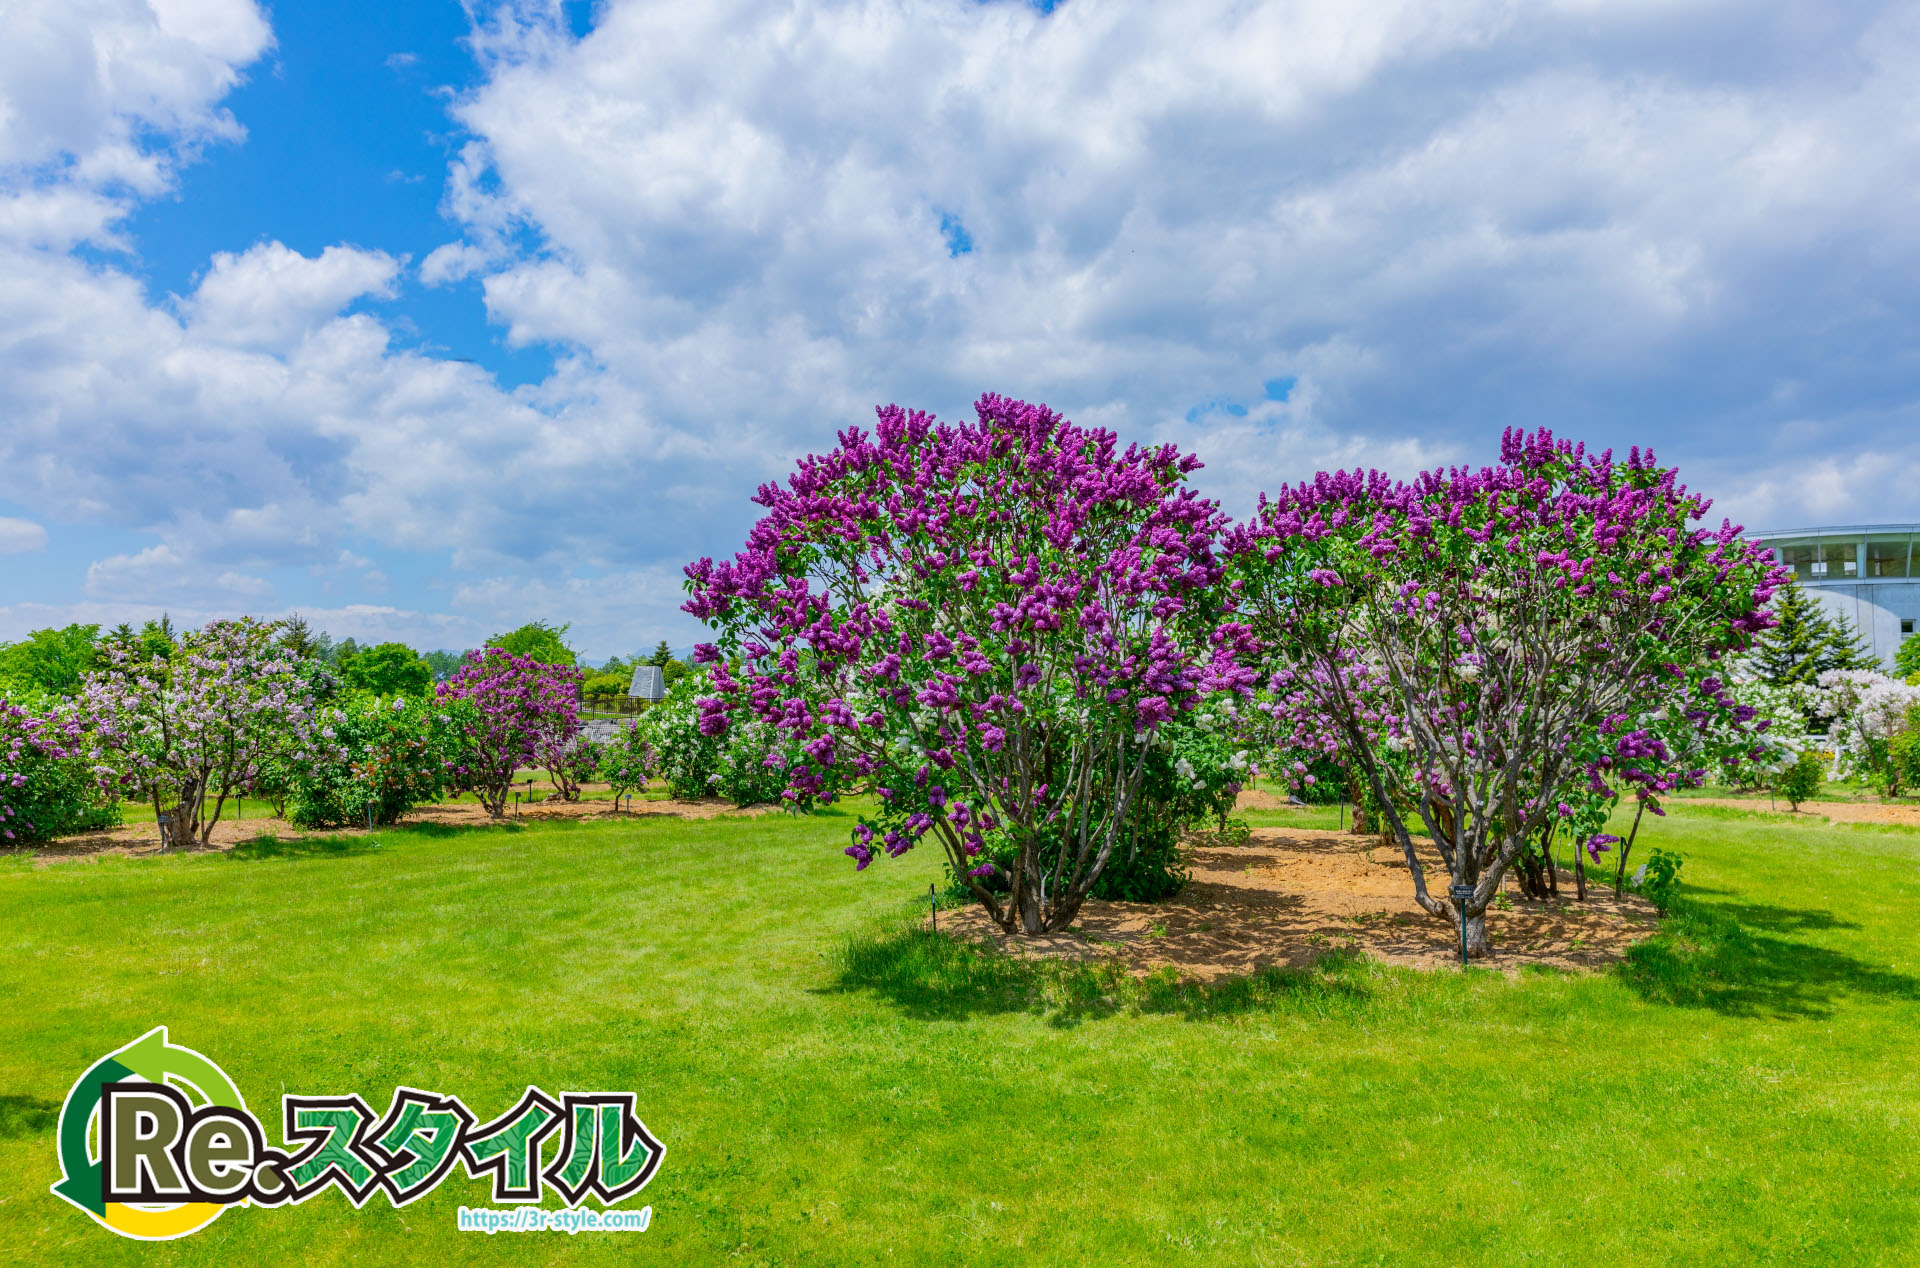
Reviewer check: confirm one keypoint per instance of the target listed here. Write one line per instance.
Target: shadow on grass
(933, 976)
(269, 846)
(1742, 959)
(1739, 959)
(26, 1116)
(436, 831)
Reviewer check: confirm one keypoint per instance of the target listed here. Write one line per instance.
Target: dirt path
(1293, 894)
(1833, 811)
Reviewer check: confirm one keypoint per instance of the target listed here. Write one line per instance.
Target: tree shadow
(1742, 960)
(436, 831)
(933, 976)
(269, 846)
(26, 1116)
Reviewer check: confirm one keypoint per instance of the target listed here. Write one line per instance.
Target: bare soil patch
(139, 839)
(1833, 811)
(1294, 894)
(1261, 799)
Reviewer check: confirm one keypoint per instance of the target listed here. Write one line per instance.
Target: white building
(1868, 573)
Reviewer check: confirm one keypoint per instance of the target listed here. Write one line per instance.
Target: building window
(1887, 555)
(1802, 557)
(1842, 559)
(1906, 626)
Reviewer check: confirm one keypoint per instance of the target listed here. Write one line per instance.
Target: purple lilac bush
(525, 713)
(987, 623)
(1510, 615)
(46, 783)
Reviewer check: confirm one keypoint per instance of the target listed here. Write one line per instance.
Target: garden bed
(1294, 894)
(144, 838)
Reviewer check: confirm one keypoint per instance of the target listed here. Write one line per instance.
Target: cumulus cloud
(1440, 219)
(270, 296)
(86, 87)
(21, 537)
(158, 573)
(1287, 236)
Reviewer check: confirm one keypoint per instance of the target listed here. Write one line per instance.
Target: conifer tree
(1807, 642)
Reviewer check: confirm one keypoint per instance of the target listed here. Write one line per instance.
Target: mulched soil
(1293, 894)
(143, 839)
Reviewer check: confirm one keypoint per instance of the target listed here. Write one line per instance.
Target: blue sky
(426, 321)
(348, 141)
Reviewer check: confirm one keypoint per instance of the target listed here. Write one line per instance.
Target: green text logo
(155, 1143)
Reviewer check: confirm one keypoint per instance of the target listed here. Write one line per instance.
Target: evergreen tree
(299, 638)
(156, 638)
(1807, 642)
(662, 655)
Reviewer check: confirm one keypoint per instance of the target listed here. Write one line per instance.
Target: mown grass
(836, 1085)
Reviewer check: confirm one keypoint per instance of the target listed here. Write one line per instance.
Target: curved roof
(1832, 530)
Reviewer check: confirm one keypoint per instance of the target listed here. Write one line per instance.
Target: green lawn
(833, 1088)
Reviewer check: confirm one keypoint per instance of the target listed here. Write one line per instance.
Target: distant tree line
(55, 662)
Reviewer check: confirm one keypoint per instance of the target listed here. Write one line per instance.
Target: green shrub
(753, 765)
(391, 755)
(627, 761)
(1899, 769)
(1660, 879)
(686, 760)
(1801, 781)
(747, 764)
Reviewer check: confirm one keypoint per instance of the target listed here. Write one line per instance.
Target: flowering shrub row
(228, 711)
(1010, 629)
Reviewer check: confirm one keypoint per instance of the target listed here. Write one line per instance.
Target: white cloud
(1441, 218)
(271, 296)
(158, 574)
(85, 85)
(21, 537)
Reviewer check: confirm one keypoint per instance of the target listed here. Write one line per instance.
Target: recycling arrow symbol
(153, 1059)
